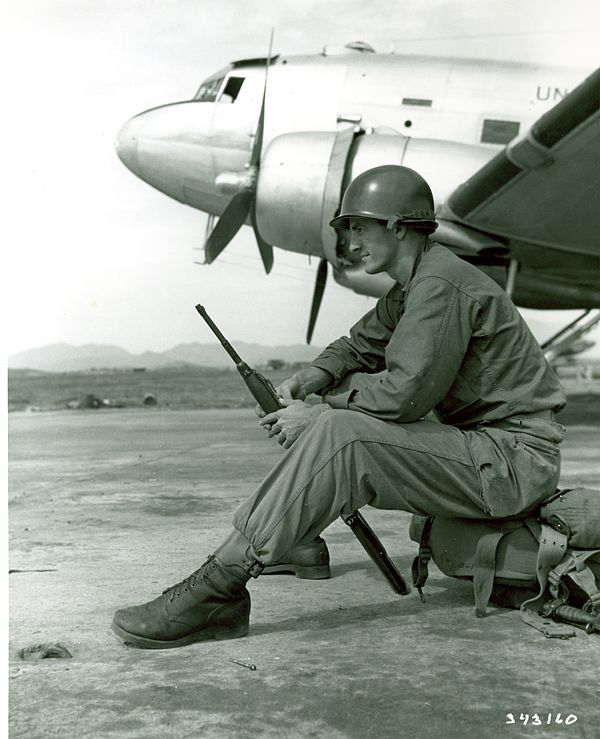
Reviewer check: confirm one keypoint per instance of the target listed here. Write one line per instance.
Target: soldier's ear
(400, 231)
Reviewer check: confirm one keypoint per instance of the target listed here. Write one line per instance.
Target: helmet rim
(401, 193)
(343, 220)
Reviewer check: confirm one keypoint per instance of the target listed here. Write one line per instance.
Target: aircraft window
(208, 91)
(499, 132)
(232, 90)
(417, 101)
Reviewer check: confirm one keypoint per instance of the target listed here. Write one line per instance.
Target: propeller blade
(317, 297)
(244, 203)
(266, 250)
(258, 139)
(228, 225)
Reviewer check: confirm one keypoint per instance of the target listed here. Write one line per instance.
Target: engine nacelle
(303, 176)
(444, 164)
(299, 189)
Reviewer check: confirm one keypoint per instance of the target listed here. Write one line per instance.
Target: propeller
(320, 283)
(244, 203)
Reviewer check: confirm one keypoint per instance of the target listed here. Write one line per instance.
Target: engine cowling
(444, 164)
(303, 176)
(299, 189)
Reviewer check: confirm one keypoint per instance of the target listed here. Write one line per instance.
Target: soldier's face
(374, 243)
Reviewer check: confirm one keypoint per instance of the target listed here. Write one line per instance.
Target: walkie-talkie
(261, 388)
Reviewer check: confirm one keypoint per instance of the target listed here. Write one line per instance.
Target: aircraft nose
(126, 144)
(169, 147)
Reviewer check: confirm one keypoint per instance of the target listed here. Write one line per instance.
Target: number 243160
(540, 719)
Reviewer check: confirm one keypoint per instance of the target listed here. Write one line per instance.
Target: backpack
(546, 564)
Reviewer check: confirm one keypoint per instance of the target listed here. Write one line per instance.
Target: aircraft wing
(544, 187)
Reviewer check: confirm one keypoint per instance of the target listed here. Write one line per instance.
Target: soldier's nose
(355, 243)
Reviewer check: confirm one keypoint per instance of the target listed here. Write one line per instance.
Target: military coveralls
(450, 341)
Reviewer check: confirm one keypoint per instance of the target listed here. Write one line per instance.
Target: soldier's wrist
(313, 379)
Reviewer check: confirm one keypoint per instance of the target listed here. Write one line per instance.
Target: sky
(95, 255)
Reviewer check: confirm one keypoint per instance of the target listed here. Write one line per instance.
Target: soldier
(447, 339)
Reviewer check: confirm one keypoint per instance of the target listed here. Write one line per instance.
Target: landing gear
(562, 341)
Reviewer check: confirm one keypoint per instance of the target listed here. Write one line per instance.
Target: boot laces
(174, 591)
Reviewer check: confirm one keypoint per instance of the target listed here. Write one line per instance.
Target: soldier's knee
(336, 424)
(324, 420)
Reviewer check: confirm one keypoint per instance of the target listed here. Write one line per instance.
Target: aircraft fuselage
(182, 148)
(327, 118)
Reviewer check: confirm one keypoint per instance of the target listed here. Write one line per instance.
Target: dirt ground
(107, 508)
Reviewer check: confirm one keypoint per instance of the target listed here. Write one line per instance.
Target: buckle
(253, 567)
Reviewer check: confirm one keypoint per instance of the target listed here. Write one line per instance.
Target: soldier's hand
(288, 423)
(291, 389)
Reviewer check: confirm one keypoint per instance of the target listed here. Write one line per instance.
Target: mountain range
(69, 358)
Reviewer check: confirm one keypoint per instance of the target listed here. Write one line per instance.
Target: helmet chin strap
(411, 219)
(422, 248)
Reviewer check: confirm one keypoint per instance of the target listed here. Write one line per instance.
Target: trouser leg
(346, 460)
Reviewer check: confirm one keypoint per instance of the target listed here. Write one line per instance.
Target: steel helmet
(389, 193)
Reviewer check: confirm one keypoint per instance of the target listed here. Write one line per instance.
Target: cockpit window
(231, 90)
(207, 93)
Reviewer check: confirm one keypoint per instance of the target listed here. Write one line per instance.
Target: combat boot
(212, 603)
(308, 561)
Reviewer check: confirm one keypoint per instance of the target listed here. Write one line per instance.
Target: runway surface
(108, 508)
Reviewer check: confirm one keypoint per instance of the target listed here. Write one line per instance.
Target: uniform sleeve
(364, 349)
(423, 356)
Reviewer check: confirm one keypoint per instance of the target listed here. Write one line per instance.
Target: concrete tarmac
(108, 508)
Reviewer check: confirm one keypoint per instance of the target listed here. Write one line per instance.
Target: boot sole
(315, 572)
(217, 633)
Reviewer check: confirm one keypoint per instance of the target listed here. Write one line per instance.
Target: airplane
(511, 151)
